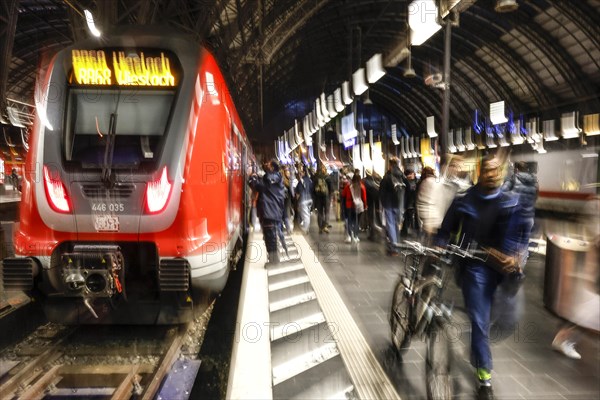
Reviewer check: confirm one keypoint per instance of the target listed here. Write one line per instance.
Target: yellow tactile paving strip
(370, 381)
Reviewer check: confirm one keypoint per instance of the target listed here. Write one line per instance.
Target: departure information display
(123, 68)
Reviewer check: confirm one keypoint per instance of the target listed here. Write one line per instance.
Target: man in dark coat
(372, 187)
(322, 189)
(391, 195)
(410, 203)
(271, 198)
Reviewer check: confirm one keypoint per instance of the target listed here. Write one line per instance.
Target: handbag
(359, 206)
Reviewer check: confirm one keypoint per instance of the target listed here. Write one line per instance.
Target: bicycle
(418, 308)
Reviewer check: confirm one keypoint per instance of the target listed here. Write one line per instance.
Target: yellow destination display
(91, 67)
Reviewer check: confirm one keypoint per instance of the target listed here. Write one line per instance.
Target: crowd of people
(404, 202)
(496, 215)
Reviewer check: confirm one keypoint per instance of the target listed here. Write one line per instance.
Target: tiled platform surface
(525, 366)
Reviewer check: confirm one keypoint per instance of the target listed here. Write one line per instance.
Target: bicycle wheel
(399, 316)
(438, 362)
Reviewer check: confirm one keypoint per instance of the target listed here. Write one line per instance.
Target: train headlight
(157, 193)
(56, 193)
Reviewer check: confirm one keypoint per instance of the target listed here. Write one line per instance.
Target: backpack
(321, 186)
(398, 187)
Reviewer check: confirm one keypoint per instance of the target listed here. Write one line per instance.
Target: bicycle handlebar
(449, 250)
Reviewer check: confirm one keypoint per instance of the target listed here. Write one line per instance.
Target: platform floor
(525, 366)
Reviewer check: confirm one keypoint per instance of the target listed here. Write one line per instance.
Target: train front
(104, 184)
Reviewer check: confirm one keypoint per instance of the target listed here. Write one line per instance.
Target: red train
(134, 190)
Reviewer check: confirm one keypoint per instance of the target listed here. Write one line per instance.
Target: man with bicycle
(489, 218)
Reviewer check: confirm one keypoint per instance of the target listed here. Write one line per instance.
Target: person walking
(372, 187)
(355, 195)
(488, 217)
(304, 198)
(524, 184)
(269, 206)
(321, 189)
(391, 192)
(410, 204)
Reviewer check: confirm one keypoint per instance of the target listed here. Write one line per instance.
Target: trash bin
(565, 273)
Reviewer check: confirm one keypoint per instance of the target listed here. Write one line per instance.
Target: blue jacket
(271, 198)
(493, 221)
(524, 185)
(304, 189)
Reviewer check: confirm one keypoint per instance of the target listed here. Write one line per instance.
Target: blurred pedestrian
(356, 200)
(270, 205)
(304, 199)
(372, 188)
(322, 188)
(487, 217)
(524, 184)
(584, 302)
(410, 203)
(391, 194)
(14, 177)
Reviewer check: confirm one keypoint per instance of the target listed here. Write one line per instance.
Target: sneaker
(326, 230)
(567, 348)
(348, 239)
(356, 239)
(393, 253)
(485, 392)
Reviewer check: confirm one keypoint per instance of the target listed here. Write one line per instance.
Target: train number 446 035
(104, 207)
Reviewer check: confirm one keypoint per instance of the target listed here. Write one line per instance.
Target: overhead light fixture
(451, 147)
(367, 100)
(324, 110)
(409, 72)
(346, 95)
(396, 55)
(503, 6)
(89, 18)
(422, 19)
(298, 139)
(431, 127)
(375, 68)
(331, 106)
(469, 139)
(549, 131)
(359, 84)
(497, 113)
(460, 146)
(516, 138)
(591, 124)
(339, 104)
(395, 135)
(569, 125)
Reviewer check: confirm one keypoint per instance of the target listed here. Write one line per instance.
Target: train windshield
(122, 127)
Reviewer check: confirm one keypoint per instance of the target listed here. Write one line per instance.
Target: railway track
(112, 362)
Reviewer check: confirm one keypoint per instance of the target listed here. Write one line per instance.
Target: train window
(139, 120)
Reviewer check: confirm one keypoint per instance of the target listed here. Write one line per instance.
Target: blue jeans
(391, 225)
(479, 283)
(352, 223)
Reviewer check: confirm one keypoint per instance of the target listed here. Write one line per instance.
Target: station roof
(543, 58)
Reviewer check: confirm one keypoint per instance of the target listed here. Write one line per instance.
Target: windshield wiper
(109, 150)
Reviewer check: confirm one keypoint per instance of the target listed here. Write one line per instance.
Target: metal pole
(446, 104)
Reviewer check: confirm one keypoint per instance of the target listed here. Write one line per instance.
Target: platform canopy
(542, 57)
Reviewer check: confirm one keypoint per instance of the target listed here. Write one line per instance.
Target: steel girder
(8, 16)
